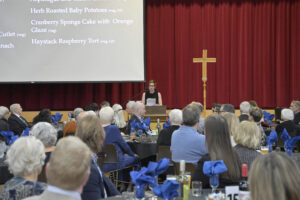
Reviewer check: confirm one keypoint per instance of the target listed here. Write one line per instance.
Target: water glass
(196, 188)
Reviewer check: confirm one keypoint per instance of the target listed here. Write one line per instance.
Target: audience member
(119, 120)
(244, 108)
(129, 107)
(47, 134)
(274, 176)
(165, 135)
(4, 114)
(247, 137)
(17, 123)
(67, 171)
(219, 148)
(287, 116)
(77, 111)
(5, 174)
(186, 143)
(138, 112)
(252, 103)
(43, 116)
(255, 115)
(113, 136)
(233, 122)
(70, 128)
(91, 132)
(105, 104)
(227, 108)
(216, 108)
(93, 107)
(200, 127)
(295, 107)
(25, 159)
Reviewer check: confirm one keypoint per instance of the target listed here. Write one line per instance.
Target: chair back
(109, 155)
(163, 152)
(189, 167)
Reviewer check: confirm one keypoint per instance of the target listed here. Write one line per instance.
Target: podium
(156, 112)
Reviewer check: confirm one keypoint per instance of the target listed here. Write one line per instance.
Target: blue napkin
(25, 132)
(214, 167)
(167, 124)
(147, 122)
(268, 117)
(56, 118)
(168, 190)
(157, 168)
(290, 144)
(9, 136)
(271, 139)
(70, 114)
(140, 179)
(285, 136)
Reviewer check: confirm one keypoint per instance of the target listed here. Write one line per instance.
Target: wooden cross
(204, 60)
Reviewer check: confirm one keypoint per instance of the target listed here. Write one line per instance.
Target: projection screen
(71, 40)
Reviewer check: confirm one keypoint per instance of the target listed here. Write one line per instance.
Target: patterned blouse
(19, 188)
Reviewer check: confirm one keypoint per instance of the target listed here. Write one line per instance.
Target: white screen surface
(71, 40)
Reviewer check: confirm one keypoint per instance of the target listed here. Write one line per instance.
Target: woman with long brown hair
(219, 148)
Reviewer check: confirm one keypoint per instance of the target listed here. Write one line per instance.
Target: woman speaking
(152, 97)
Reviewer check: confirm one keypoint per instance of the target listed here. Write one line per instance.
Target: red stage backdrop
(256, 43)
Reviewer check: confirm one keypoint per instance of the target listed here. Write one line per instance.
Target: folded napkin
(140, 179)
(284, 135)
(214, 167)
(157, 168)
(25, 132)
(271, 139)
(290, 144)
(56, 118)
(9, 136)
(168, 190)
(143, 125)
(167, 123)
(268, 117)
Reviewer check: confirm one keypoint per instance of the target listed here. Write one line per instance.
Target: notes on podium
(156, 112)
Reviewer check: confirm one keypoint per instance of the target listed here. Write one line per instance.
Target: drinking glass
(214, 182)
(196, 188)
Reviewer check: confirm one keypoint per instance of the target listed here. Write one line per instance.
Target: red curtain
(256, 43)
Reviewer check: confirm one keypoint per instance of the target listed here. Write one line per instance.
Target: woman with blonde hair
(248, 138)
(233, 122)
(274, 176)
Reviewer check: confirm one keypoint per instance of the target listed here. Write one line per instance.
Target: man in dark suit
(138, 112)
(67, 171)
(17, 123)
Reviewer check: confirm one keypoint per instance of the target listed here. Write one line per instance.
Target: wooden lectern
(156, 112)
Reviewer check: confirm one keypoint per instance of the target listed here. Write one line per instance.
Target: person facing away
(186, 143)
(67, 171)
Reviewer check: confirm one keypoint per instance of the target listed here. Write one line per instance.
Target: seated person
(165, 135)
(5, 175)
(17, 123)
(91, 132)
(47, 134)
(274, 176)
(70, 128)
(244, 108)
(219, 148)
(227, 108)
(25, 159)
(43, 116)
(232, 122)
(152, 97)
(186, 143)
(295, 107)
(138, 113)
(4, 115)
(287, 116)
(66, 179)
(247, 137)
(256, 115)
(119, 120)
(113, 136)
